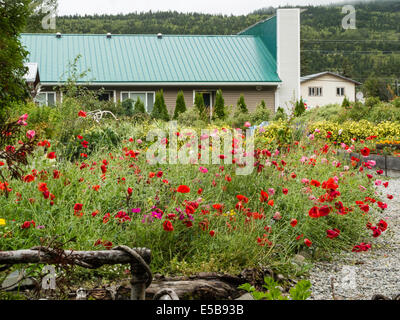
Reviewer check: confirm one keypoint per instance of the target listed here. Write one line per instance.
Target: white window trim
(204, 91)
(344, 92)
(315, 91)
(47, 96)
(140, 92)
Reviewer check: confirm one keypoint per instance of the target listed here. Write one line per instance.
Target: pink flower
(30, 134)
(277, 216)
(378, 182)
(271, 191)
(139, 141)
(22, 120)
(247, 124)
(305, 181)
(203, 170)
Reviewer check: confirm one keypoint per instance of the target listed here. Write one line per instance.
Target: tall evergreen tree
(242, 104)
(139, 107)
(200, 106)
(13, 16)
(219, 105)
(180, 105)
(160, 110)
(299, 108)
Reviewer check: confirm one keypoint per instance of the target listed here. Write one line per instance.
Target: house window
(340, 92)
(106, 96)
(148, 98)
(207, 97)
(46, 98)
(315, 91)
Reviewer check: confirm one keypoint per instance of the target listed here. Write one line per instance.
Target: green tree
(160, 110)
(242, 104)
(346, 103)
(199, 104)
(220, 105)
(139, 107)
(13, 16)
(299, 108)
(180, 105)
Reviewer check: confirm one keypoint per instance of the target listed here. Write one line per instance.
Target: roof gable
(318, 75)
(147, 59)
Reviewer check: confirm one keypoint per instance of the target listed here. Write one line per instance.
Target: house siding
(328, 83)
(231, 95)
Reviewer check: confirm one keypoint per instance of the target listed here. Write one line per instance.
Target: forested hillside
(372, 50)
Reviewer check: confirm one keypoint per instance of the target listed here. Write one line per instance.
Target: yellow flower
(2, 222)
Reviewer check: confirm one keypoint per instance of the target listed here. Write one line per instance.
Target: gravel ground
(359, 276)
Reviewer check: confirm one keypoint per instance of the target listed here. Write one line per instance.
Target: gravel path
(359, 276)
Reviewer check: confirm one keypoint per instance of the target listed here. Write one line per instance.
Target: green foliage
(299, 108)
(242, 104)
(139, 107)
(160, 108)
(128, 107)
(189, 117)
(280, 114)
(300, 292)
(200, 106)
(261, 114)
(180, 105)
(346, 103)
(219, 108)
(378, 88)
(13, 15)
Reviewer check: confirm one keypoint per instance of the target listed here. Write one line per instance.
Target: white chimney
(288, 57)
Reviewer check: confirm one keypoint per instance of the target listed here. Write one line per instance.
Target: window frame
(341, 89)
(313, 91)
(47, 97)
(139, 92)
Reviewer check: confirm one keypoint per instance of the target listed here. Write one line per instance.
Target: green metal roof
(148, 59)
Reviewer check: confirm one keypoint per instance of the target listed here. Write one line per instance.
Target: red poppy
(365, 152)
(382, 225)
(2, 163)
(130, 191)
(200, 191)
(56, 174)
(28, 224)
(103, 169)
(51, 155)
(212, 233)
(242, 198)
(285, 191)
(307, 242)
(314, 212)
(82, 114)
(293, 222)
(29, 178)
(264, 196)
(315, 183)
(183, 189)
(331, 234)
(42, 187)
(78, 206)
(167, 225)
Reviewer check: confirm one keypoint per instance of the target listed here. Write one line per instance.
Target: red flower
(78, 207)
(285, 191)
(314, 212)
(361, 247)
(183, 189)
(28, 224)
(42, 187)
(167, 225)
(130, 191)
(51, 155)
(103, 169)
(264, 196)
(333, 233)
(212, 233)
(382, 225)
(82, 114)
(242, 198)
(365, 152)
(2, 163)
(315, 183)
(307, 242)
(160, 174)
(29, 178)
(200, 191)
(293, 223)
(56, 174)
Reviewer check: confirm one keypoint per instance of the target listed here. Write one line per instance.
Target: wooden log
(93, 258)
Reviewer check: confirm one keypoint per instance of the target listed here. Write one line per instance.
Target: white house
(327, 88)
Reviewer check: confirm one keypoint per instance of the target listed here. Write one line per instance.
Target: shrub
(280, 114)
(180, 105)
(346, 103)
(220, 106)
(139, 107)
(299, 108)
(242, 104)
(128, 107)
(372, 102)
(199, 105)
(261, 114)
(160, 108)
(189, 117)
